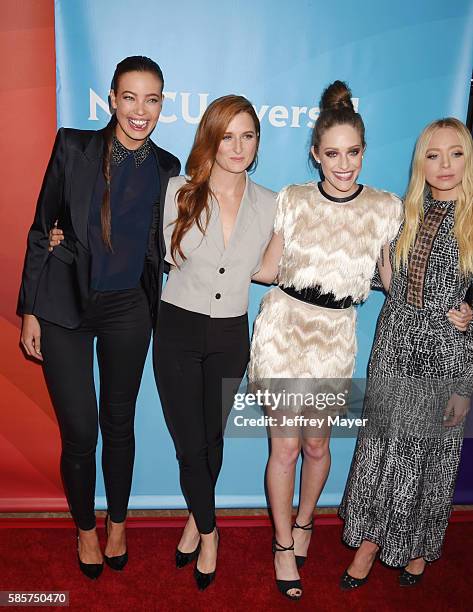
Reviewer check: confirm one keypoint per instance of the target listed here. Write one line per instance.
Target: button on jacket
(215, 280)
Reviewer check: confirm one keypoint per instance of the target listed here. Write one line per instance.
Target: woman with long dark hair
(217, 223)
(105, 188)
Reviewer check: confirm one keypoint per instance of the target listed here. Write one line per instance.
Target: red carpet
(43, 558)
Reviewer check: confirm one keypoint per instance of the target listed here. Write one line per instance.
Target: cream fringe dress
(330, 243)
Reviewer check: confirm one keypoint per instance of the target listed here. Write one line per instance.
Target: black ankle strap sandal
(300, 559)
(285, 586)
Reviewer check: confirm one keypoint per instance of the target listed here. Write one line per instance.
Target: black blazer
(55, 285)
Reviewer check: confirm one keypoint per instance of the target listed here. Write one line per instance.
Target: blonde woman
(398, 496)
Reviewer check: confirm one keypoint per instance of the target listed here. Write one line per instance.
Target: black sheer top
(134, 190)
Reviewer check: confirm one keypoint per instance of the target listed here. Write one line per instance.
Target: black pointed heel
(183, 559)
(117, 562)
(285, 586)
(406, 579)
(91, 570)
(300, 559)
(205, 580)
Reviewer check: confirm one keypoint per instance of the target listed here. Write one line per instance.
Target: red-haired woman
(217, 223)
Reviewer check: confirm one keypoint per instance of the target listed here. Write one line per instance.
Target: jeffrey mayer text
(298, 421)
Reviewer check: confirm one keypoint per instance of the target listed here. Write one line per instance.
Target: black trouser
(193, 353)
(121, 322)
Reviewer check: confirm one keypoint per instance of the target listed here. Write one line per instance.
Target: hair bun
(336, 96)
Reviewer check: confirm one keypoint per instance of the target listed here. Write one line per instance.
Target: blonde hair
(413, 203)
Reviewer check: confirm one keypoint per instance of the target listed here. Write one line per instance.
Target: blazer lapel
(245, 217)
(87, 165)
(164, 171)
(214, 229)
(163, 183)
(247, 212)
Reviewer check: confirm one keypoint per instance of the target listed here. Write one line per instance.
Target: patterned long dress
(401, 483)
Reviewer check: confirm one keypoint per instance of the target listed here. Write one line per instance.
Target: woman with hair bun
(328, 238)
(100, 279)
(217, 224)
(398, 497)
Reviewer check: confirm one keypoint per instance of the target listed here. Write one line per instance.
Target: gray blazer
(215, 280)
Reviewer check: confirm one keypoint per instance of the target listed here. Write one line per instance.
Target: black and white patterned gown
(401, 482)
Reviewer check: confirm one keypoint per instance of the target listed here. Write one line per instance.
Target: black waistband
(314, 295)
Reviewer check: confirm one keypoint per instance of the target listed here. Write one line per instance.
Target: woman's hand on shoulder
(461, 318)
(31, 336)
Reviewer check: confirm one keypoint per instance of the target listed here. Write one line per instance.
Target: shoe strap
(307, 527)
(279, 548)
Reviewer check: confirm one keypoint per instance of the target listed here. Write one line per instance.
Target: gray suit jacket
(215, 280)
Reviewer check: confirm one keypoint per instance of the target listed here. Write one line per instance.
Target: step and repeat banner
(406, 63)
(280, 55)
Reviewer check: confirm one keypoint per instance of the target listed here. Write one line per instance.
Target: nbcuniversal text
(189, 107)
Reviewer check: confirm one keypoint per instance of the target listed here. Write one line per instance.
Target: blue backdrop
(407, 63)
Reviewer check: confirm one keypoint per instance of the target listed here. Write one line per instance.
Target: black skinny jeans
(193, 353)
(121, 322)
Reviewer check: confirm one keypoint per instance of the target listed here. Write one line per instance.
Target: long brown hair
(193, 196)
(134, 63)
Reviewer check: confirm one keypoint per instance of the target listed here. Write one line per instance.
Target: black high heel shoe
(285, 586)
(300, 560)
(118, 562)
(183, 559)
(347, 582)
(406, 579)
(205, 580)
(91, 570)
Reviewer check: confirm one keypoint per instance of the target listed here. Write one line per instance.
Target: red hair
(193, 196)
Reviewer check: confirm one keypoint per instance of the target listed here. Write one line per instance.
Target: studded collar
(120, 152)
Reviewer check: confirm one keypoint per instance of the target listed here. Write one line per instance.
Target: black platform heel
(91, 570)
(300, 560)
(205, 580)
(183, 559)
(285, 586)
(118, 562)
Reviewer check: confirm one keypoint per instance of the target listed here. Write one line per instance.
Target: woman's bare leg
(315, 469)
(363, 560)
(280, 475)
